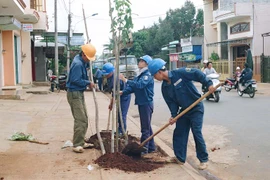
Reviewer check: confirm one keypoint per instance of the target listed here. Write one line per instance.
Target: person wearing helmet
(237, 76)
(143, 88)
(98, 76)
(76, 85)
(237, 73)
(108, 71)
(204, 64)
(246, 75)
(179, 93)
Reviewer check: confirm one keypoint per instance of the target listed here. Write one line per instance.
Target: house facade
(17, 19)
(233, 26)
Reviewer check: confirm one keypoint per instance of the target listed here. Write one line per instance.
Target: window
(37, 5)
(241, 27)
(215, 5)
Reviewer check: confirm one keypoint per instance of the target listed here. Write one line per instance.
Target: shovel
(135, 149)
(109, 119)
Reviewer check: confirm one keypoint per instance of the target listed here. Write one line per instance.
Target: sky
(145, 14)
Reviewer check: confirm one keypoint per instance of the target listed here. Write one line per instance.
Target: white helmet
(238, 68)
(205, 61)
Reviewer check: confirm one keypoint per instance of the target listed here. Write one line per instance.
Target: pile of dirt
(106, 137)
(125, 163)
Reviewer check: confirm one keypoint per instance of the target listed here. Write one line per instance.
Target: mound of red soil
(106, 138)
(125, 163)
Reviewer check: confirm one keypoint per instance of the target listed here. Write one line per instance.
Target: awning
(189, 57)
(194, 55)
(9, 23)
(245, 40)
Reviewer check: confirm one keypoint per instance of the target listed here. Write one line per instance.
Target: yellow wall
(8, 58)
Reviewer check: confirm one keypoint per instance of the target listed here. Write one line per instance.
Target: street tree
(121, 25)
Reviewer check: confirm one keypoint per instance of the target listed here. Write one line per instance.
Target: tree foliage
(178, 23)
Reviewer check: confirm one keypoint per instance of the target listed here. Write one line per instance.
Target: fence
(265, 69)
(227, 68)
(222, 67)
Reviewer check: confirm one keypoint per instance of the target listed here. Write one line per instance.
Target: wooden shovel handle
(109, 119)
(179, 115)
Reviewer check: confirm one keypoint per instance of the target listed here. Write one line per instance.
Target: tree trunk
(94, 95)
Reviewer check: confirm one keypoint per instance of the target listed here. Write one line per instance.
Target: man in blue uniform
(143, 88)
(76, 85)
(179, 93)
(108, 71)
(98, 76)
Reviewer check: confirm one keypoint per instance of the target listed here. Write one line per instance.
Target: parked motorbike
(216, 95)
(60, 84)
(248, 88)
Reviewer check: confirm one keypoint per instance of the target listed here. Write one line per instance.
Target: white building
(233, 26)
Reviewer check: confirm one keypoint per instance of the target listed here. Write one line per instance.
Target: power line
(65, 6)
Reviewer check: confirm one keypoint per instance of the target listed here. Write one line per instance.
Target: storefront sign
(27, 27)
(173, 57)
(187, 49)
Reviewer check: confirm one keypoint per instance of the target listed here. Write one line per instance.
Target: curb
(169, 152)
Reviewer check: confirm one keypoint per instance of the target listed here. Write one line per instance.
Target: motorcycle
(60, 84)
(248, 88)
(230, 84)
(216, 95)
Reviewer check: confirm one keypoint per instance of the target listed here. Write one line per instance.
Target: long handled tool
(135, 149)
(109, 119)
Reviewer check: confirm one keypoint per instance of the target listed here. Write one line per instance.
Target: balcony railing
(21, 2)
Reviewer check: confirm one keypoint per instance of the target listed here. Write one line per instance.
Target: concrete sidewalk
(48, 118)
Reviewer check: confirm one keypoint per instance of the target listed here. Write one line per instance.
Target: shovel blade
(133, 149)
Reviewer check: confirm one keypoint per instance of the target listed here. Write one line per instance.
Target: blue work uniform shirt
(98, 74)
(143, 87)
(78, 79)
(180, 93)
(110, 82)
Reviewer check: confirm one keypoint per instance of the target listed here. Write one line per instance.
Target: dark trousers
(145, 112)
(100, 83)
(125, 101)
(194, 122)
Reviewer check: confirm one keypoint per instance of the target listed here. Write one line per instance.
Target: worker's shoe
(88, 145)
(174, 160)
(78, 149)
(203, 165)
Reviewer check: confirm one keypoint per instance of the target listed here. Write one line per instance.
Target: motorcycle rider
(204, 65)
(209, 69)
(237, 76)
(246, 75)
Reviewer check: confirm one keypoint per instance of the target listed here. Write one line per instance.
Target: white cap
(238, 68)
(205, 61)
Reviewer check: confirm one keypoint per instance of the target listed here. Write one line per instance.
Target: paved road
(239, 126)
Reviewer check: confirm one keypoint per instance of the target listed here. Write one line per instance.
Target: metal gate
(265, 69)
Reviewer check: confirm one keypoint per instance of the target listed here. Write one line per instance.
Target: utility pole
(86, 30)
(68, 39)
(56, 39)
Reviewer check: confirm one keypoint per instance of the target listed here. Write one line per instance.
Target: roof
(77, 39)
(48, 44)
